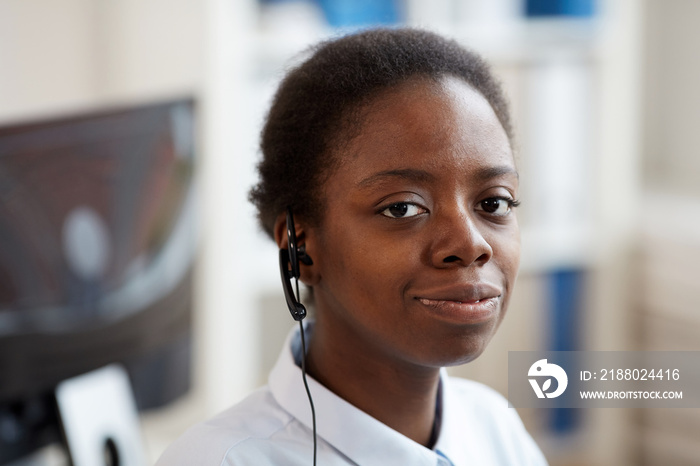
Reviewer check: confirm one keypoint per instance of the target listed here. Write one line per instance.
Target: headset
(289, 269)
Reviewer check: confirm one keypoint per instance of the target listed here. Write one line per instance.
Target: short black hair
(312, 108)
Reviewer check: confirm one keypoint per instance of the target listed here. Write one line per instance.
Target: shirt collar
(454, 431)
(357, 435)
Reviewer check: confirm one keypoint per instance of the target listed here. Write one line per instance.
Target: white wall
(47, 56)
(672, 106)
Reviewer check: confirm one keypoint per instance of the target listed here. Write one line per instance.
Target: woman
(393, 149)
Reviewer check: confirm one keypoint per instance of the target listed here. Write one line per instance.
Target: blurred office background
(604, 95)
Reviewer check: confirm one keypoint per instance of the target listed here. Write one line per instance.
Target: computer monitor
(97, 248)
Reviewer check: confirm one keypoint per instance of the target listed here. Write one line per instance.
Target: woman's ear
(304, 237)
(280, 231)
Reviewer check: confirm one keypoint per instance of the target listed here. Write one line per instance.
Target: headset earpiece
(296, 254)
(303, 257)
(289, 268)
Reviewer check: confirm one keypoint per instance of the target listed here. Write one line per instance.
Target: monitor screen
(97, 247)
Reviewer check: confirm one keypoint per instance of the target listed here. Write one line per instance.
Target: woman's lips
(467, 312)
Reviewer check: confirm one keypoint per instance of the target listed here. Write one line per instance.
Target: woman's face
(418, 249)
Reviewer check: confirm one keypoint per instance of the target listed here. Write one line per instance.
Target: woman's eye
(402, 210)
(498, 206)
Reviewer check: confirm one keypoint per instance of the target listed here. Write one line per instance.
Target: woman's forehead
(427, 122)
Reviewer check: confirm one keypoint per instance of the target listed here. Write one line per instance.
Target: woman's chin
(459, 352)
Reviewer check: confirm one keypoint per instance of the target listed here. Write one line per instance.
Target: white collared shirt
(272, 426)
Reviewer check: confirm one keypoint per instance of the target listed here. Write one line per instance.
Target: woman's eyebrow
(494, 172)
(409, 174)
(414, 175)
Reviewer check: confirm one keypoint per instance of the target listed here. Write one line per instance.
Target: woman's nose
(458, 241)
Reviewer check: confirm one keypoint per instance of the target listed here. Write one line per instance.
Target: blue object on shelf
(566, 288)
(358, 13)
(576, 8)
